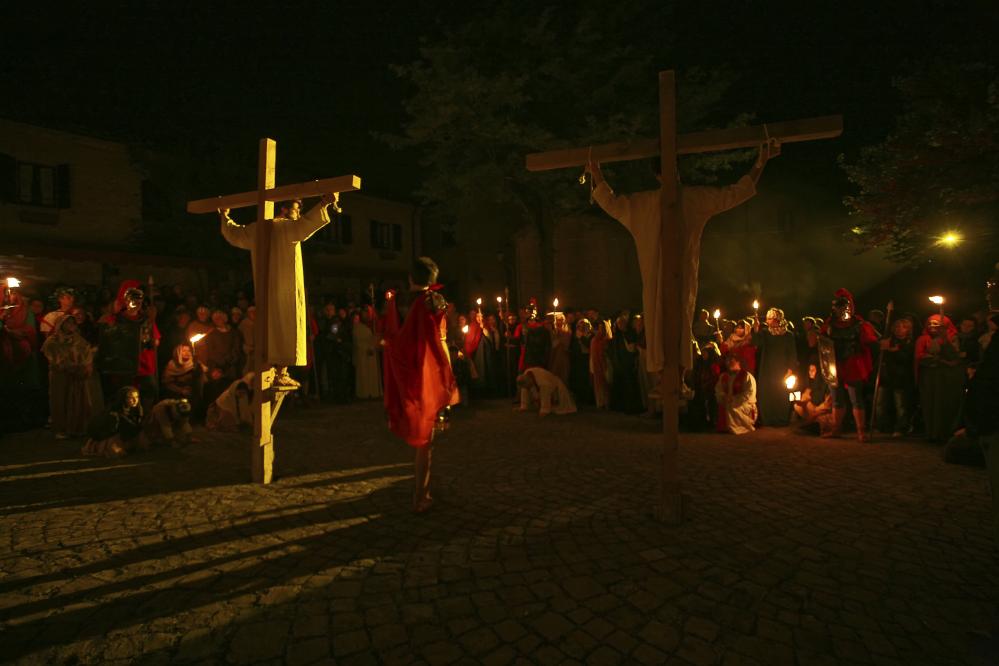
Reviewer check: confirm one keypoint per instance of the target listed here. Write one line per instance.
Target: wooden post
(263, 443)
(671, 285)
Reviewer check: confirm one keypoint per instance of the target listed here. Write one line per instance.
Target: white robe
(740, 413)
(286, 331)
(553, 395)
(639, 213)
(367, 379)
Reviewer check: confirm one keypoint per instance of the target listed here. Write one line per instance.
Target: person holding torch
(777, 358)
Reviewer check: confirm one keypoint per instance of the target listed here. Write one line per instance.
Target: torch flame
(499, 299)
(13, 282)
(388, 295)
(464, 329)
(756, 305)
(937, 299)
(790, 382)
(197, 337)
(478, 301)
(717, 314)
(556, 302)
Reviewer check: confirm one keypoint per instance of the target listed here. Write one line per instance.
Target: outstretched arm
(769, 149)
(236, 235)
(303, 228)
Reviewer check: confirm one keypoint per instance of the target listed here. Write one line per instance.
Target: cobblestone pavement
(542, 550)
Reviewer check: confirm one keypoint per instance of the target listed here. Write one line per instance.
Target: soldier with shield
(845, 355)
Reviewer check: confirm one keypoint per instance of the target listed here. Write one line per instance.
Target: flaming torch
(478, 301)
(939, 300)
(13, 283)
(194, 344)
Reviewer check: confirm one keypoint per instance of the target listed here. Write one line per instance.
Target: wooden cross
(668, 146)
(265, 410)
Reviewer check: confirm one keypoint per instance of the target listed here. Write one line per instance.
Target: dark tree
(935, 171)
(508, 83)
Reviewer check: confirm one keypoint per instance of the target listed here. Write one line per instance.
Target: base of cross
(674, 505)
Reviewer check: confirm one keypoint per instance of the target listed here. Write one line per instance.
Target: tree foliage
(509, 83)
(940, 162)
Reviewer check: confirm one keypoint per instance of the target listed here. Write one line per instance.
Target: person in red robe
(419, 383)
(129, 308)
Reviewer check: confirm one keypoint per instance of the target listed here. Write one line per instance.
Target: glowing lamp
(790, 382)
(13, 282)
(795, 396)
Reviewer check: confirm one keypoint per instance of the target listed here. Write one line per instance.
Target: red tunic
(418, 378)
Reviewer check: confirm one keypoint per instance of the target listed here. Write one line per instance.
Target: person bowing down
(540, 385)
(286, 327)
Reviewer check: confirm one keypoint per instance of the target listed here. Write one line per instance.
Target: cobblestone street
(541, 550)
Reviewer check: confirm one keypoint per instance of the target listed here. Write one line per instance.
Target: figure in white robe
(538, 384)
(367, 378)
(640, 214)
(736, 394)
(286, 329)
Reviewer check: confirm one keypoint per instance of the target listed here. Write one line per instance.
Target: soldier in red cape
(853, 338)
(419, 384)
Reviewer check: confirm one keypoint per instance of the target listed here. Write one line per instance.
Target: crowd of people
(197, 354)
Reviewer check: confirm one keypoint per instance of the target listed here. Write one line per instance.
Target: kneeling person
(168, 420)
(736, 394)
(537, 384)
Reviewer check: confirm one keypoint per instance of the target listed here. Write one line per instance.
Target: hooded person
(71, 361)
(233, 408)
(852, 338)
(115, 429)
(183, 376)
(419, 382)
(740, 343)
(539, 386)
(168, 419)
(129, 310)
(18, 344)
(223, 346)
(939, 377)
(364, 345)
(200, 325)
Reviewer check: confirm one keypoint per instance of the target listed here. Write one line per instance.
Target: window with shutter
(346, 230)
(397, 237)
(8, 178)
(38, 185)
(381, 235)
(62, 187)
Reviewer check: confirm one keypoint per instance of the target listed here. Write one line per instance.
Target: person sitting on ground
(541, 386)
(118, 427)
(233, 408)
(168, 422)
(183, 378)
(736, 395)
(815, 405)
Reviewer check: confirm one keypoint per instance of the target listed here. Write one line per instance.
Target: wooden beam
(314, 188)
(824, 127)
(262, 462)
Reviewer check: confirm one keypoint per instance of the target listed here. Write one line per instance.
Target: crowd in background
(199, 351)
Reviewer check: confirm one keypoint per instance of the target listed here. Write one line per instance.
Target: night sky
(317, 79)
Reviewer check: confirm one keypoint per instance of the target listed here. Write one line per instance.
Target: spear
(881, 362)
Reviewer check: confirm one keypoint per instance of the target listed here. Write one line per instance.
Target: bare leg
(421, 496)
(860, 416)
(836, 432)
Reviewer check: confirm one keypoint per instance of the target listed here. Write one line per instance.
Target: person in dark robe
(224, 346)
(815, 405)
(579, 363)
(112, 432)
(512, 352)
(183, 378)
(980, 414)
(776, 361)
(475, 352)
(624, 389)
(852, 338)
(806, 348)
(419, 382)
(967, 341)
(939, 376)
(174, 333)
(130, 311)
(898, 380)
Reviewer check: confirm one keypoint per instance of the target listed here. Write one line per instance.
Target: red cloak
(858, 366)
(418, 378)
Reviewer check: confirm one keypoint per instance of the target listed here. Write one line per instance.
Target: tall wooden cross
(668, 146)
(266, 400)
